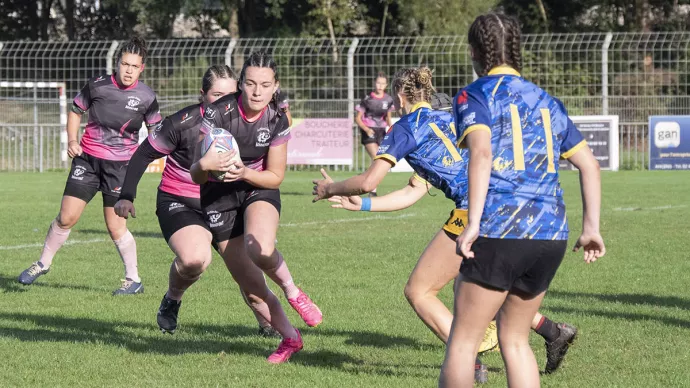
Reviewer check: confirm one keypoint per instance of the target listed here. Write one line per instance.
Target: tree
(439, 17)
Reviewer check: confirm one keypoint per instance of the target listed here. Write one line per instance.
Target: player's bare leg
(71, 209)
(261, 226)
(372, 149)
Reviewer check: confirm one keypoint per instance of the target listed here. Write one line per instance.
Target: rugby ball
(224, 143)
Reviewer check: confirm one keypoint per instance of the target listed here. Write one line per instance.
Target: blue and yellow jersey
(427, 140)
(530, 131)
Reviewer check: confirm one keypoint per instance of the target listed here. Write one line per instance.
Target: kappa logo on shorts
(262, 136)
(175, 205)
(458, 222)
(78, 172)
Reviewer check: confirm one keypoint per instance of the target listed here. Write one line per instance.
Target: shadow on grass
(633, 299)
(669, 321)
(304, 193)
(228, 338)
(10, 284)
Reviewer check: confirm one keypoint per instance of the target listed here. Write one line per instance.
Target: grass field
(632, 307)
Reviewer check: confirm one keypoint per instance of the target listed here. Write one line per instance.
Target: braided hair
(136, 46)
(259, 59)
(495, 39)
(214, 73)
(414, 83)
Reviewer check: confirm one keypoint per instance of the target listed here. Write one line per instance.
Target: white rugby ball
(224, 143)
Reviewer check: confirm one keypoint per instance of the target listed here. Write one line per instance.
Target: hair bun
(424, 76)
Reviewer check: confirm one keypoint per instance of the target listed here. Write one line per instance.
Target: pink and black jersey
(253, 138)
(375, 110)
(115, 116)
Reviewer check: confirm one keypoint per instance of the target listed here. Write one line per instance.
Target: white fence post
(351, 83)
(228, 52)
(605, 74)
(109, 57)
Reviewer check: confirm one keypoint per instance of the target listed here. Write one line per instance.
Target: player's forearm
(198, 173)
(590, 186)
(136, 167)
(73, 123)
(266, 179)
(357, 185)
(397, 200)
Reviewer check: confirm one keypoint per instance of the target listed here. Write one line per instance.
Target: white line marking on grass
(289, 224)
(632, 209)
(346, 220)
(36, 245)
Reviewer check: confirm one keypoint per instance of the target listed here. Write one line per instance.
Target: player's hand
(214, 161)
(352, 203)
(465, 241)
(592, 245)
(124, 208)
(321, 186)
(74, 149)
(236, 171)
(370, 132)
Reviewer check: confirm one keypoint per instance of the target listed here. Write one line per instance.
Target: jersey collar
(504, 70)
(419, 105)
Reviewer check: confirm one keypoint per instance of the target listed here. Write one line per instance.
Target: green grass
(631, 307)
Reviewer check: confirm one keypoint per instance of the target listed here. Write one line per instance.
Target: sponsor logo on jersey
(214, 219)
(462, 98)
(285, 132)
(117, 190)
(228, 108)
(262, 137)
(175, 205)
(469, 120)
(448, 161)
(461, 108)
(78, 172)
(186, 118)
(99, 79)
(133, 103)
(210, 113)
(383, 149)
(384, 105)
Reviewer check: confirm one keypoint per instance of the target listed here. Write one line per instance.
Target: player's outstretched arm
(357, 185)
(590, 188)
(397, 200)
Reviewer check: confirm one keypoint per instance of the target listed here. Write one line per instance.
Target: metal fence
(630, 75)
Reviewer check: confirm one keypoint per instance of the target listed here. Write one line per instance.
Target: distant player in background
(178, 207)
(283, 103)
(117, 104)
(243, 211)
(374, 117)
(516, 229)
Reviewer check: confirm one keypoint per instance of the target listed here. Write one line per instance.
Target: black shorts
(90, 175)
(508, 264)
(175, 212)
(224, 205)
(379, 134)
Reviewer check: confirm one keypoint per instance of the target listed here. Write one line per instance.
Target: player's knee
(66, 220)
(259, 251)
(194, 263)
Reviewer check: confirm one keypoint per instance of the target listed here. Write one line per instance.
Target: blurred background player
(374, 117)
(516, 232)
(283, 104)
(177, 206)
(118, 104)
(243, 211)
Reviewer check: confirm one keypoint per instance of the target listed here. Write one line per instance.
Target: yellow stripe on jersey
(546, 117)
(419, 105)
(387, 157)
(504, 69)
(419, 178)
(574, 150)
(471, 129)
(518, 152)
(446, 141)
(496, 87)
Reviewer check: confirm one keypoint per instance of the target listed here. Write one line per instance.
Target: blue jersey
(427, 140)
(530, 130)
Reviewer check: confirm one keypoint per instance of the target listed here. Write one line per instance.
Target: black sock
(548, 329)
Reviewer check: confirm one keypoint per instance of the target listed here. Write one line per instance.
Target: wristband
(366, 205)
